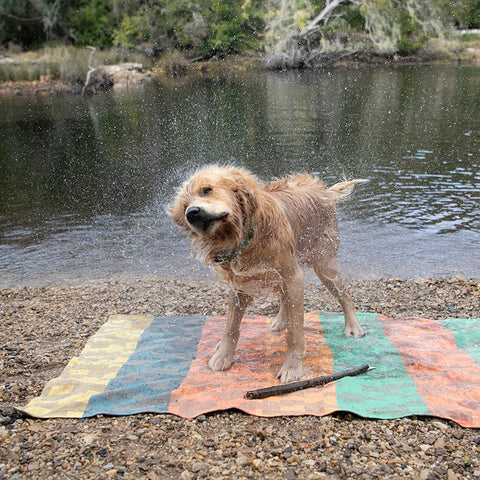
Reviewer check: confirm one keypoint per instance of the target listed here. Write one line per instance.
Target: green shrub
(93, 24)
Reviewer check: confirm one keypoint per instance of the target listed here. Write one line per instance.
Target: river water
(84, 182)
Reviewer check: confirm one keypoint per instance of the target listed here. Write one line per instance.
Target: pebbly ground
(43, 327)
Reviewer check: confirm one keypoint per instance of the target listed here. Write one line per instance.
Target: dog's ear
(176, 210)
(244, 189)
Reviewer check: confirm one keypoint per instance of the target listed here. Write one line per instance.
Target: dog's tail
(344, 189)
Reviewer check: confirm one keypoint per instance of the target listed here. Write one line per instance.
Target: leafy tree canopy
(213, 27)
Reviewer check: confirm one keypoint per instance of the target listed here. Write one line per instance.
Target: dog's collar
(227, 257)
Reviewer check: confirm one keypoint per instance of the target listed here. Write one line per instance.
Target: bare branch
(325, 13)
(90, 69)
(21, 19)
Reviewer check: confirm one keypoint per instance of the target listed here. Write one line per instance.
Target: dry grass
(63, 63)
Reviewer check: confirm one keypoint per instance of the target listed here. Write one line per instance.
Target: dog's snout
(193, 214)
(201, 218)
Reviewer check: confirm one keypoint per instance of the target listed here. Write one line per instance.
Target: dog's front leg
(225, 351)
(292, 300)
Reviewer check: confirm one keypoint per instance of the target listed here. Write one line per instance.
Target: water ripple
(442, 202)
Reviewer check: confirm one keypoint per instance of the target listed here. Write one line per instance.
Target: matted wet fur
(256, 235)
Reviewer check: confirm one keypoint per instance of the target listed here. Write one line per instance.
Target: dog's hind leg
(328, 272)
(225, 351)
(279, 323)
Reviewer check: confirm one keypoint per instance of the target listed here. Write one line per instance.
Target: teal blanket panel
(366, 395)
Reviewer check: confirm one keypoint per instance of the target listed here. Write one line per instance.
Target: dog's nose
(194, 214)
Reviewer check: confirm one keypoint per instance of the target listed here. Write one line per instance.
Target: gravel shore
(43, 327)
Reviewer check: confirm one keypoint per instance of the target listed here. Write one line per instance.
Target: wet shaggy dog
(257, 235)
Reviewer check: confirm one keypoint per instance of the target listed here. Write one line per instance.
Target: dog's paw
(356, 331)
(278, 324)
(292, 369)
(222, 358)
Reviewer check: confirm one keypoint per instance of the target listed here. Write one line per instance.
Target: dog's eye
(205, 191)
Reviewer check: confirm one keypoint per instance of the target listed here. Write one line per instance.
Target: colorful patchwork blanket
(137, 364)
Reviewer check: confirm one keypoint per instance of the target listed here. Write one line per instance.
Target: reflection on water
(84, 181)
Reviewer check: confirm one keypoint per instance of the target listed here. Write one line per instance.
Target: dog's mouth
(202, 220)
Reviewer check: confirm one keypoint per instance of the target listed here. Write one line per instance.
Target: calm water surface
(84, 181)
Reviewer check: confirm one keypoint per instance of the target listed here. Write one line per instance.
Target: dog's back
(310, 208)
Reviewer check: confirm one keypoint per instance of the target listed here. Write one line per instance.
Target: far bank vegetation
(173, 35)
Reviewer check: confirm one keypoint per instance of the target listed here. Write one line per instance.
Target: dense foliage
(209, 27)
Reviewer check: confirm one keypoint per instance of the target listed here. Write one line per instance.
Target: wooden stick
(312, 382)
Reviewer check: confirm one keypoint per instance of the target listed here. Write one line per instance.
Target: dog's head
(217, 206)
